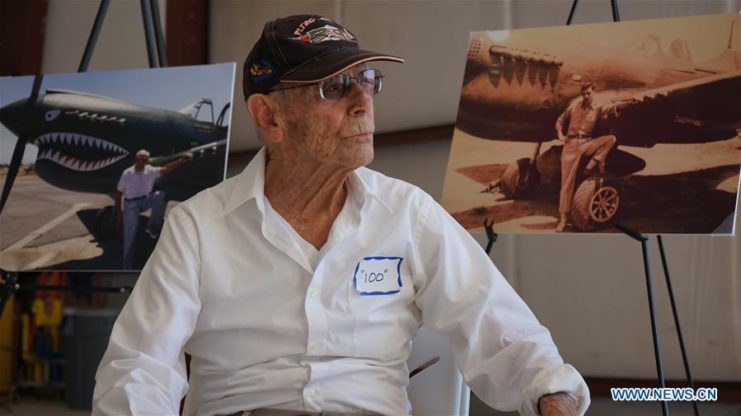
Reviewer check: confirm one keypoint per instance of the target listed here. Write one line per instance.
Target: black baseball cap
(302, 49)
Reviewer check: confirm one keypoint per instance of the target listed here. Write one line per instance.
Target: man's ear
(264, 111)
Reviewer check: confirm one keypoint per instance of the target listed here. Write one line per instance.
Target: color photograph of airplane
(571, 129)
(66, 139)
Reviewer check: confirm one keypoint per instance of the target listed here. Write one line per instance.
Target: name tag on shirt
(378, 276)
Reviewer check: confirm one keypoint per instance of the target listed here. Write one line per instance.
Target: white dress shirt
(134, 184)
(271, 322)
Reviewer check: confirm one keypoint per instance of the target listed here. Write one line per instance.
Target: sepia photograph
(573, 129)
(91, 162)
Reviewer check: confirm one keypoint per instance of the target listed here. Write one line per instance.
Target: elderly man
(297, 286)
(135, 188)
(579, 120)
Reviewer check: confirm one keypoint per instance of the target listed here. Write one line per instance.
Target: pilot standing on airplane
(580, 118)
(297, 286)
(135, 187)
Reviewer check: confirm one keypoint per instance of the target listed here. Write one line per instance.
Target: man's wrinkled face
(337, 132)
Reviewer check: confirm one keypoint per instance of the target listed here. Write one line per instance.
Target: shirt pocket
(382, 303)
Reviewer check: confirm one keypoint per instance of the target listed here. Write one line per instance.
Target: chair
(438, 389)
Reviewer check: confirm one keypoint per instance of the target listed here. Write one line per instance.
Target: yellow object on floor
(7, 346)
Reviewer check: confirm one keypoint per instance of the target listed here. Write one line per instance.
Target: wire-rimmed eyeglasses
(335, 87)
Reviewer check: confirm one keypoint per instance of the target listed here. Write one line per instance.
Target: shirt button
(313, 293)
(316, 349)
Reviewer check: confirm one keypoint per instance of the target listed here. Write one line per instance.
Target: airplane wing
(198, 151)
(696, 111)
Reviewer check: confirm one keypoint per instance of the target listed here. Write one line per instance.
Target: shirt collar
(583, 104)
(360, 179)
(250, 184)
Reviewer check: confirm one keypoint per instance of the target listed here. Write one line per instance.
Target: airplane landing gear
(520, 179)
(596, 203)
(105, 227)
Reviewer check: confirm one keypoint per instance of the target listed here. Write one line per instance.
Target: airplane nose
(13, 116)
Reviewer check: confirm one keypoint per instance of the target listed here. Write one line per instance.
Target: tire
(104, 227)
(520, 179)
(596, 204)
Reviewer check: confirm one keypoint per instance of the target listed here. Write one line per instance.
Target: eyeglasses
(335, 87)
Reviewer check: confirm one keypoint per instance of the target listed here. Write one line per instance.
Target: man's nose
(361, 100)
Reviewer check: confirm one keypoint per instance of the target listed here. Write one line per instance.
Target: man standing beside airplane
(135, 188)
(579, 120)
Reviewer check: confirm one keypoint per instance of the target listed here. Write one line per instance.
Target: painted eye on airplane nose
(51, 115)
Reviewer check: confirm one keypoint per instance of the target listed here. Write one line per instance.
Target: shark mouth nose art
(78, 151)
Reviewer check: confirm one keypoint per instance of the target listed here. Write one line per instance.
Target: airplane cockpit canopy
(194, 110)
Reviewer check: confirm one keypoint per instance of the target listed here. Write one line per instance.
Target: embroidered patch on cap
(261, 70)
(378, 276)
(303, 26)
(326, 33)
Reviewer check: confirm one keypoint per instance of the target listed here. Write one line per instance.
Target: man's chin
(364, 157)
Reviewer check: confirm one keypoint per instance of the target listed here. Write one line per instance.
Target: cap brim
(333, 63)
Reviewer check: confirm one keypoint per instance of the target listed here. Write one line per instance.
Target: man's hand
(557, 404)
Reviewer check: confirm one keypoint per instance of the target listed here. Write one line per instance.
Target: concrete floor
(31, 406)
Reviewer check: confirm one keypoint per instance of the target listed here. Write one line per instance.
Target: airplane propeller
(20, 145)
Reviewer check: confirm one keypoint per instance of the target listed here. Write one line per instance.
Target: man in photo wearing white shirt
(135, 188)
(297, 286)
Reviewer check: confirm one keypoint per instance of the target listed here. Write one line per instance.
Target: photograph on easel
(91, 162)
(572, 129)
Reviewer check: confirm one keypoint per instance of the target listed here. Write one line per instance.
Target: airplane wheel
(520, 179)
(596, 204)
(105, 224)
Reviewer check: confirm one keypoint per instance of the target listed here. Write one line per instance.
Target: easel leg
(93, 39)
(676, 321)
(615, 11)
(149, 33)
(491, 235)
(574, 5)
(654, 331)
(157, 23)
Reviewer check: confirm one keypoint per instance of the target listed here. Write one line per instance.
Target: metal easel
(643, 239)
(157, 55)
(156, 49)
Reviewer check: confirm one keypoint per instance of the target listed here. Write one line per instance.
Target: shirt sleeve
(507, 358)
(563, 118)
(143, 369)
